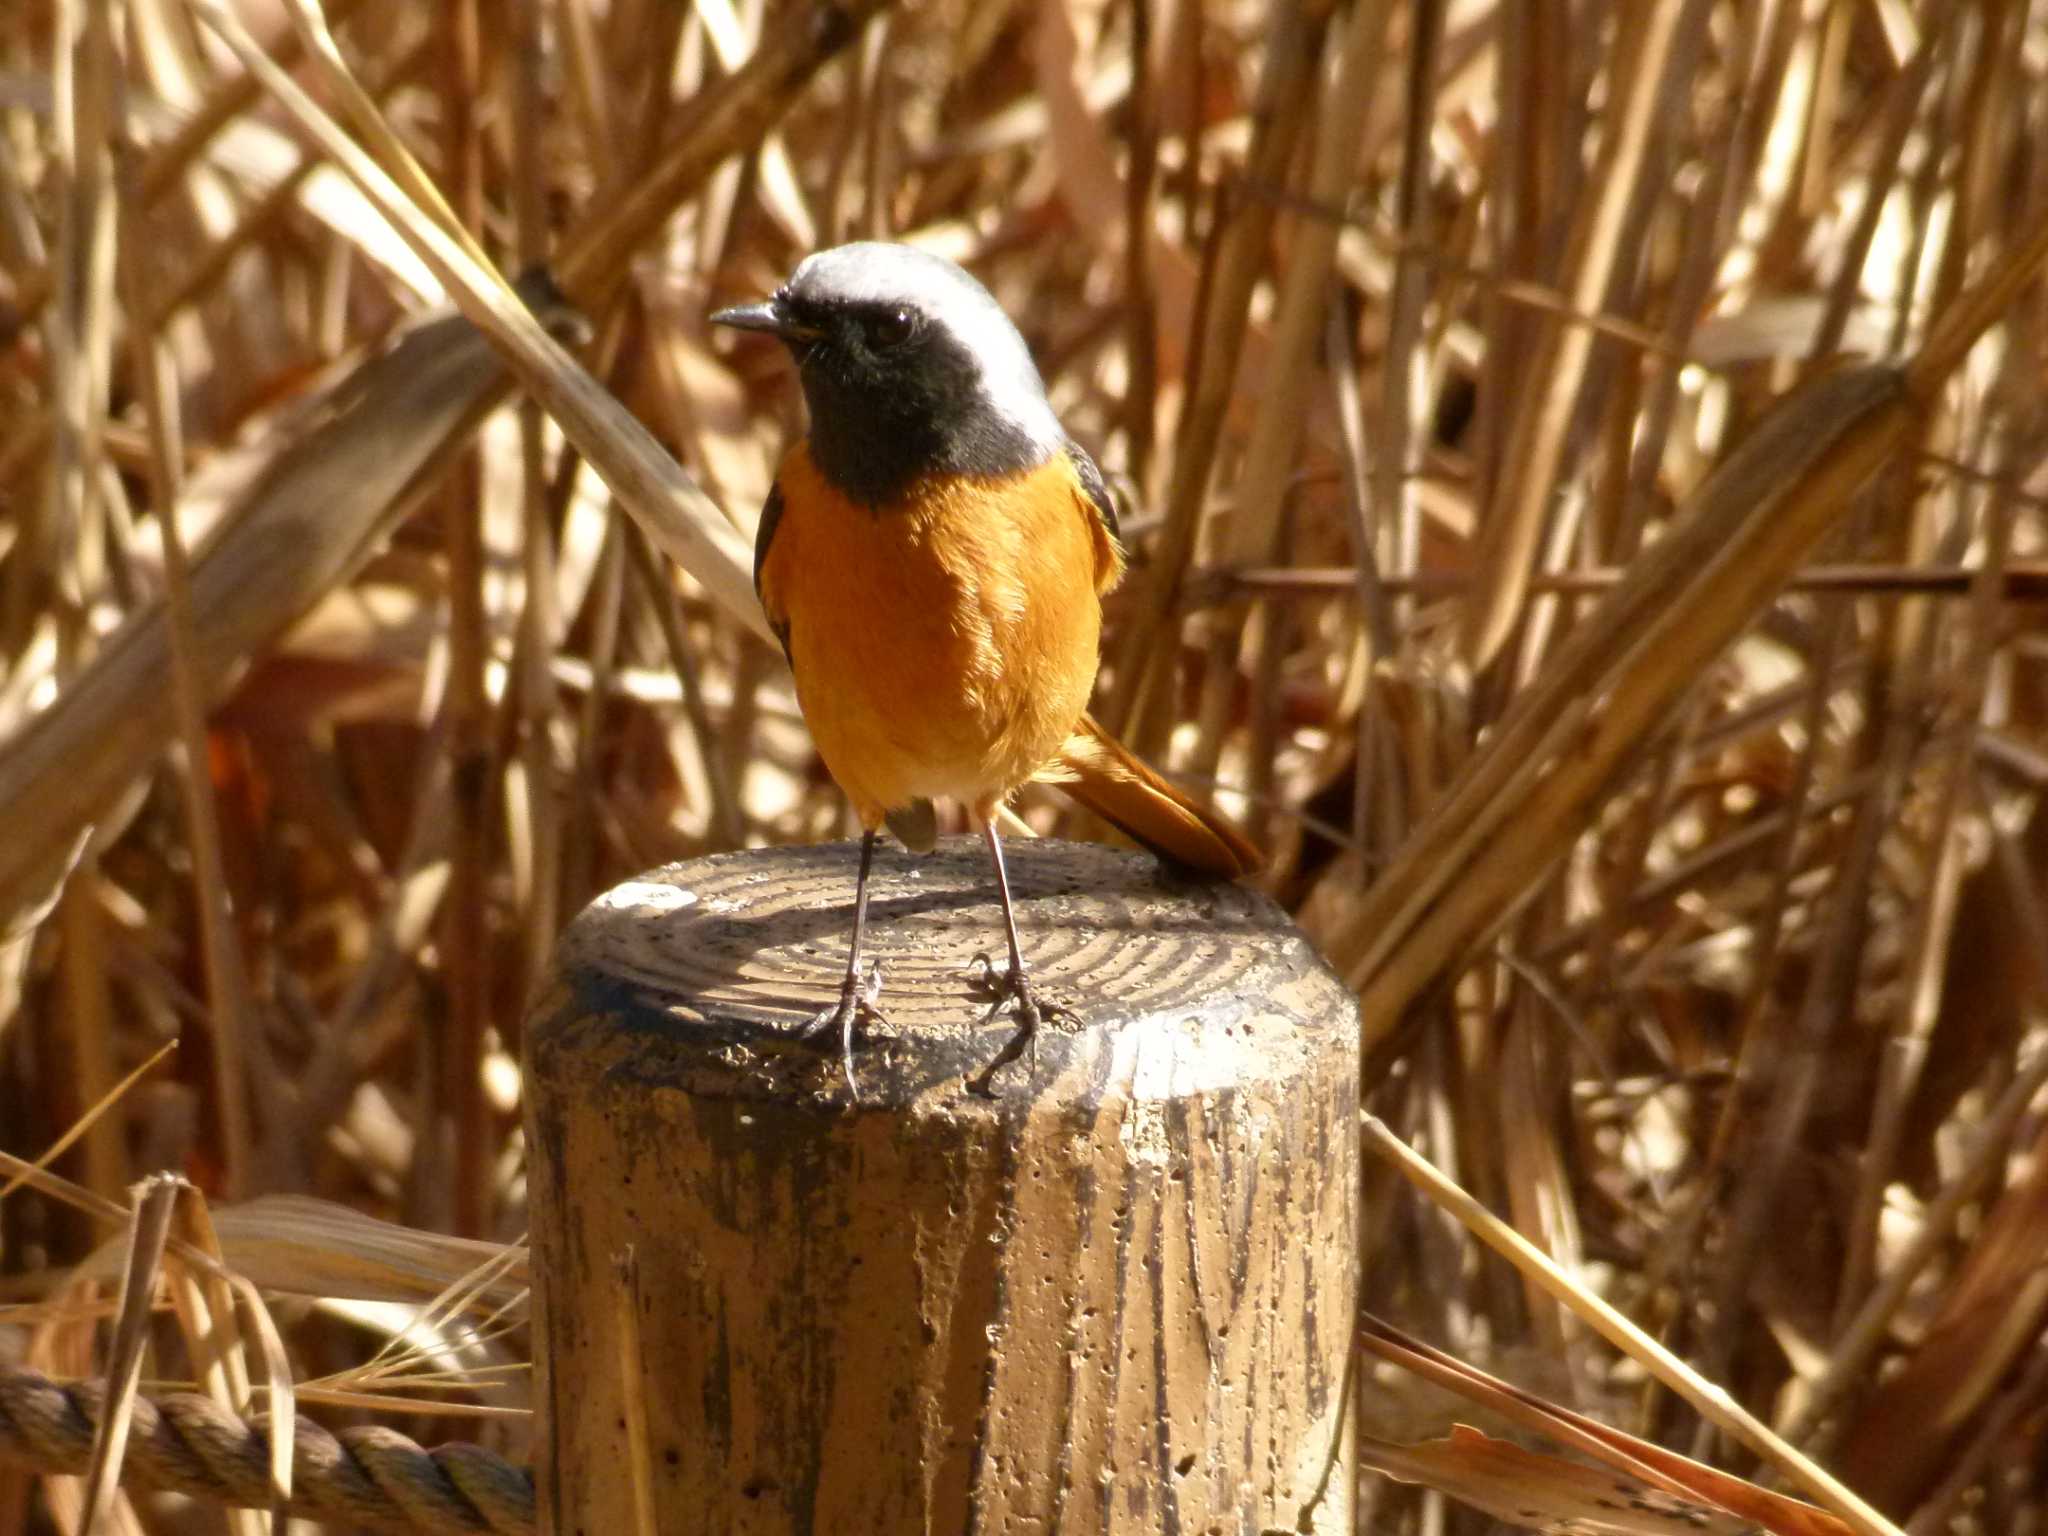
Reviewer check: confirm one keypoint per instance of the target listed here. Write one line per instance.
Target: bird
(933, 557)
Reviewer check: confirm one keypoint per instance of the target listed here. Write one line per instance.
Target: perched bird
(933, 557)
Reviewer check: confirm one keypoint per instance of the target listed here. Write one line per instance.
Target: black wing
(1092, 483)
(771, 516)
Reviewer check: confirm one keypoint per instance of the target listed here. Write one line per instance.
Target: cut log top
(714, 966)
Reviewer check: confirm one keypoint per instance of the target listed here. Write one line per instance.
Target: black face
(893, 396)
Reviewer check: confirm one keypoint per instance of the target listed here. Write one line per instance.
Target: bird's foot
(1010, 988)
(850, 1018)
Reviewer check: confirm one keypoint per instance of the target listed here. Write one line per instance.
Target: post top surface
(705, 973)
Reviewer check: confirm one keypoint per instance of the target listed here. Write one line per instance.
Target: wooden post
(1114, 1294)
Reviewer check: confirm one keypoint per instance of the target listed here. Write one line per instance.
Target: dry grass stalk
(156, 377)
(140, 1272)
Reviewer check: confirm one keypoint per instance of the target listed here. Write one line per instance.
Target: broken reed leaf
(303, 1246)
(1545, 1493)
(230, 1299)
(149, 1229)
(1714, 1404)
(1630, 1456)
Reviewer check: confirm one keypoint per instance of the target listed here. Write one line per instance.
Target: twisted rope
(366, 1476)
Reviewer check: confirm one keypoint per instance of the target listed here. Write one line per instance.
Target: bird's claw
(850, 1018)
(1011, 988)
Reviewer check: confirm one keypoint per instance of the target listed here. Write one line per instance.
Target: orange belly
(944, 646)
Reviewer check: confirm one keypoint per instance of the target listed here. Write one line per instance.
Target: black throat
(882, 421)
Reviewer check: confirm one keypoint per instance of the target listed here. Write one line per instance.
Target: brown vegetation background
(1707, 946)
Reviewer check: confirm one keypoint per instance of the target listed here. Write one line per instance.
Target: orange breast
(945, 646)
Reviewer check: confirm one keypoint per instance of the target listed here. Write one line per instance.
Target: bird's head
(909, 367)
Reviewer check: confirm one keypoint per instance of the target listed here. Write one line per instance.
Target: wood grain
(1112, 1294)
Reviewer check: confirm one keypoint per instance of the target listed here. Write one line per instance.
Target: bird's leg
(1010, 988)
(857, 994)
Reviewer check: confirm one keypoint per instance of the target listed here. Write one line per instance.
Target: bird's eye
(891, 328)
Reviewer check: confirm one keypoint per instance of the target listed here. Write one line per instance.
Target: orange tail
(1100, 772)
